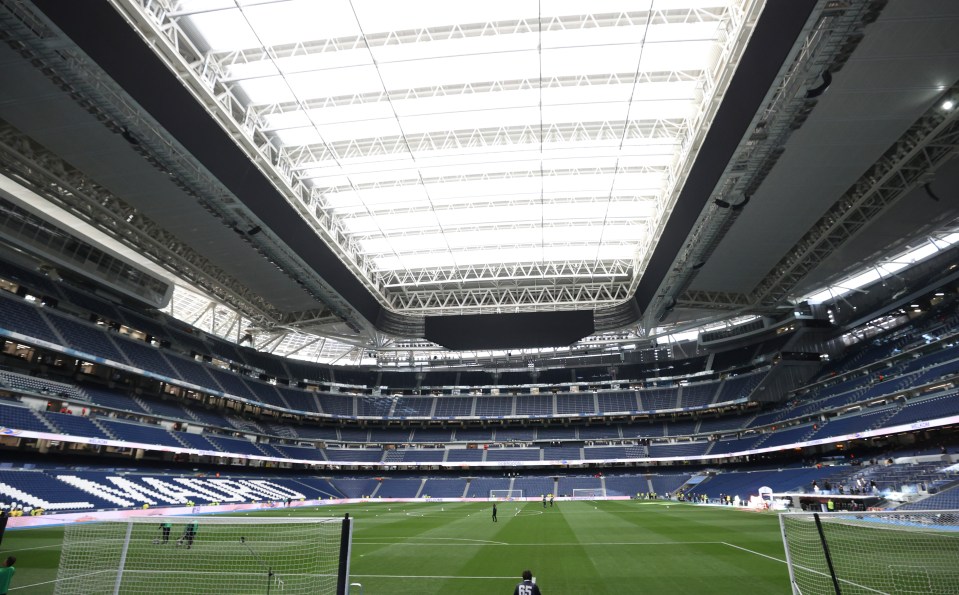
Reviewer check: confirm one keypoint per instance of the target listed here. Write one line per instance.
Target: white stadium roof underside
(342, 179)
(451, 148)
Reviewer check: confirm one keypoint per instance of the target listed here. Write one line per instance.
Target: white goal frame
(200, 555)
(589, 493)
(882, 552)
(506, 494)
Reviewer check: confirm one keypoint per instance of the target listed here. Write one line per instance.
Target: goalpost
(589, 493)
(203, 555)
(853, 553)
(506, 494)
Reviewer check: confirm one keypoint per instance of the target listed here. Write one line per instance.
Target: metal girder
(319, 191)
(102, 97)
(714, 300)
(825, 44)
(499, 247)
(500, 298)
(202, 313)
(259, 112)
(512, 174)
(299, 156)
(308, 317)
(228, 325)
(483, 202)
(221, 61)
(497, 272)
(932, 140)
(268, 341)
(32, 165)
(572, 226)
(309, 342)
(737, 22)
(178, 51)
(927, 144)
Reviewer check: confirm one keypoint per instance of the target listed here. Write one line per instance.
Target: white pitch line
(753, 552)
(473, 541)
(38, 547)
(571, 544)
(604, 543)
(56, 580)
(431, 576)
(33, 585)
(813, 571)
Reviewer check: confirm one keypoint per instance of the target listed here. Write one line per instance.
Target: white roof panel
(453, 134)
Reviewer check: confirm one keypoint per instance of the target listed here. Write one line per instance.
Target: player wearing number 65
(527, 586)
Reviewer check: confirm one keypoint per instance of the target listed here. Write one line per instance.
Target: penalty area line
(444, 539)
(550, 544)
(780, 560)
(433, 576)
(57, 580)
(810, 570)
(39, 547)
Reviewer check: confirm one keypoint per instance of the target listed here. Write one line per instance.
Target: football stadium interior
(658, 297)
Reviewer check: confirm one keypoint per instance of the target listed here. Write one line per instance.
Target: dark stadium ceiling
(371, 169)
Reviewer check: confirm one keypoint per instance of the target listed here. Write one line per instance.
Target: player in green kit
(189, 534)
(165, 527)
(6, 574)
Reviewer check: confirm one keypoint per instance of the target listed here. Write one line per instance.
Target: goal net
(588, 493)
(505, 494)
(202, 555)
(852, 553)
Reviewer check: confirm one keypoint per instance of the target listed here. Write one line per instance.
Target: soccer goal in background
(225, 555)
(506, 494)
(588, 493)
(868, 553)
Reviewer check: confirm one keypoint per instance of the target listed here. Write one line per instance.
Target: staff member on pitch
(527, 586)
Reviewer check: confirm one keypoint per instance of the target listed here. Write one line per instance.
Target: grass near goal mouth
(239, 555)
(575, 547)
(868, 553)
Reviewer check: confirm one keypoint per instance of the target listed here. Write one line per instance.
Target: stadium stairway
(689, 483)
(419, 490)
(143, 404)
(46, 421)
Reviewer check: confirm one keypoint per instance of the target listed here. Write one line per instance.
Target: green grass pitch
(577, 547)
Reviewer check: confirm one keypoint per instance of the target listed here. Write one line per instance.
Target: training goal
(506, 494)
(589, 493)
(203, 555)
(853, 553)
